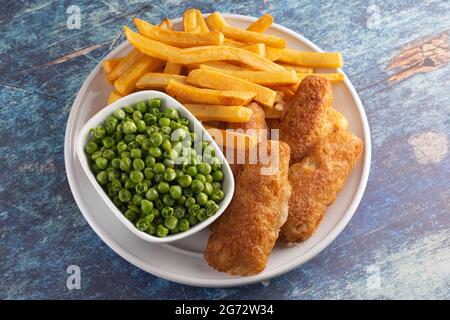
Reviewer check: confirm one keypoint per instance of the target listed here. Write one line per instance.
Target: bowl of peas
(156, 166)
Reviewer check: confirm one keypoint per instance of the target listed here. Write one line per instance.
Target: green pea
(166, 145)
(142, 224)
(128, 109)
(192, 220)
(137, 115)
(136, 153)
(117, 136)
(168, 200)
(102, 178)
(146, 206)
(117, 201)
(91, 147)
(200, 177)
(166, 130)
(218, 175)
(156, 139)
(148, 173)
(192, 171)
(130, 215)
(170, 174)
(167, 212)
(188, 192)
(123, 177)
(211, 209)
(151, 229)
(155, 103)
(161, 231)
(181, 200)
(163, 187)
(171, 113)
(216, 185)
(136, 200)
(130, 138)
(125, 164)
(201, 215)
(208, 189)
(175, 192)
(185, 180)
(138, 164)
(217, 195)
(183, 224)
(171, 222)
(111, 124)
(159, 168)
(101, 163)
(155, 152)
(155, 212)
(201, 198)
(169, 163)
(152, 194)
(116, 185)
(194, 209)
(149, 119)
(209, 178)
(189, 202)
(216, 164)
(164, 122)
(141, 187)
(96, 155)
(159, 177)
(108, 154)
(141, 107)
(119, 114)
(141, 126)
(204, 168)
(99, 132)
(125, 195)
(125, 154)
(129, 127)
(129, 184)
(122, 146)
(136, 176)
(150, 161)
(179, 212)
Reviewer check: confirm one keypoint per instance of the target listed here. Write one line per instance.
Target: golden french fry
(166, 24)
(286, 92)
(234, 43)
(258, 48)
(333, 77)
(265, 78)
(173, 68)
(156, 80)
(126, 83)
(273, 54)
(212, 53)
(262, 24)
(109, 65)
(216, 22)
(219, 24)
(272, 113)
(150, 47)
(124, 65)
(311, 59)
(190, 21)
(231, 138)
(178, 38)
(295, 67)
(206, 112)
(217, 80)
(208, 96)
(221, 65)
(114, 96)
(201, 22)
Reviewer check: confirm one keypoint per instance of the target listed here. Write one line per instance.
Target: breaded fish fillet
(257, 122)
(316, 181)
(304, 121)
(243, 237)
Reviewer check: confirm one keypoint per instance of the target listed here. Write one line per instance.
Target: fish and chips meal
(267, 108)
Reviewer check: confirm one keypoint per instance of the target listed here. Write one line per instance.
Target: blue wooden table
(397, 56)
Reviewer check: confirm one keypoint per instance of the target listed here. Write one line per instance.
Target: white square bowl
(167, 101)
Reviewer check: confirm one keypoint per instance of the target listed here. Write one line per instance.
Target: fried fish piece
(316, 181)
(304, 121)
(243, 237)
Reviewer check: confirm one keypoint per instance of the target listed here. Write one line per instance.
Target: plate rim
(238, 281)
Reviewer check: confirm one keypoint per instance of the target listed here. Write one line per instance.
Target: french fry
(208, 96)
(333, 77)
(258, 48)
(312, 59)
(265, 78)
(221, 81)
(173, 68)
(286, 92)
(156, 80)
(220, 65)
(212, 53)
(295, 67)
(201, 22)
(166, 24)
(232, 139)
(262, 24)
(114, 96)
(108, 65)
(216, 22)
(219, 24)
(190, 21)
(272, 113)
(206, 112)
(150, 47)
(126, 83)
(273, 54)
(234, 43)
(178, 38)
(124, 65)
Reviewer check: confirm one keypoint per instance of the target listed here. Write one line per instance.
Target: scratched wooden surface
(397, 56)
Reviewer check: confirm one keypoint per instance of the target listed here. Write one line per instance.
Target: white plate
(183, 262)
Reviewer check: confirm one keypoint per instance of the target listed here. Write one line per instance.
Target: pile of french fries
(215, 69)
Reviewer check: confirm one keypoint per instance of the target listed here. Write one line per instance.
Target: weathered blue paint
(402, 227)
